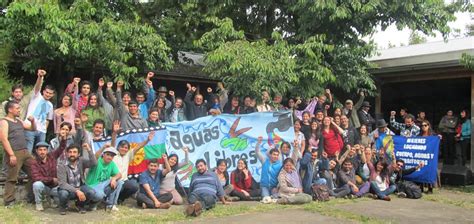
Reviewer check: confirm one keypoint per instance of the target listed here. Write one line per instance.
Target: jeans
(65, 196)
(381, 194)
(39, 189)
(104, 191)
(269, 191)
(33, 137)
(363, 189)
(129, 188)
(340, 192)
(162, 198)
(208, 201)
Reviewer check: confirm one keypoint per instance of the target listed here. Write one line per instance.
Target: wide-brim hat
(162, 89)
(349, 101)
(366, 104)
(381, 123)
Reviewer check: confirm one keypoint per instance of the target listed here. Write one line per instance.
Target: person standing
(408, 128)
(447, 128)
(12, 137)
(350, 110)
(41, 108)
(365, 117)
(197, 108)
(464, 136)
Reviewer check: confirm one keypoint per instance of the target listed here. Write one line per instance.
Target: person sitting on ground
(149, 195)
(71, 179)
(168, 183)
(366, 157)
(104, 178)
(313, 167)
(271, 165)
(223, 176)
(331, 179)
(44, 173)
(290, 188)
(205, 188)
(408, 129)
(380, 179)
(245, 187)
(399, 172)
(347, 176)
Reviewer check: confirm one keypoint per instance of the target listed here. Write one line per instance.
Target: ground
(447, 205)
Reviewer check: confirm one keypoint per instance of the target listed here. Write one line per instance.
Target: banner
(153, 150)
(413, 151)
(229, 137)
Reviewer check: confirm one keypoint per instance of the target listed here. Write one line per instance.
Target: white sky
(396, 37)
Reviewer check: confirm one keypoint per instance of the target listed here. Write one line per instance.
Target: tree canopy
(297, 47)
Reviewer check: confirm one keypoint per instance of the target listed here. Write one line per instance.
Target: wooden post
(378, 101)
(472, 123)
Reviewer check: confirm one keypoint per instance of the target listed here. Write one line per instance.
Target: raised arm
(39, 81)
(167, 165)
(142, 144)
(99, 152)
(360, 101)
(260, 156)
(186, 158)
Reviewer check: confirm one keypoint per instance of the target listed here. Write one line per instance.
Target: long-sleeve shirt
(45, 171)
(466, 130)
(405, 131)
(239, 182)
(206, 183)
(194, 111)
(64, 171)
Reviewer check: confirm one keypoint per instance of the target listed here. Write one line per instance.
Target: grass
(17, 214)
(463, 189)
(459, 196)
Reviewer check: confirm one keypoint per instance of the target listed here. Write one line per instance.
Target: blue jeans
(33, 137)
(267, 191)
(381, 194)
(208, 201)
(39, 189)
(65, 196)
(104, 191)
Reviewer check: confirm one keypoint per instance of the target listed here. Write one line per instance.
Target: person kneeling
(72, 180)
(204, 190)
(149, 195)
(290, 188)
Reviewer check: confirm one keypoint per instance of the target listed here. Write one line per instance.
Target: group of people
(338, 150)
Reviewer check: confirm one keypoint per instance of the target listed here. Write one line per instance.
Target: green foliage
(84, 33)
(416, 38)
(468, 61)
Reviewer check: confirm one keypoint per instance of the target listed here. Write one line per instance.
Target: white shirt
(41, 110)
(122, 163)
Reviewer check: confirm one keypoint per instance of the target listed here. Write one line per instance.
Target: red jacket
(239, 182)
(46, 171)
(332, 142)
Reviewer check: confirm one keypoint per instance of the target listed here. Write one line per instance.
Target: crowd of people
(337, 152)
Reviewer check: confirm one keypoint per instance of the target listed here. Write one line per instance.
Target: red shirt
(239, 182)
(46, 171)
(332, 142)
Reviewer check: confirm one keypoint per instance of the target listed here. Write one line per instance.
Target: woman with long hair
(290, 187)
(160, 106)
(332, 138)
(223, 176)
(168, 183)
(380, 179)
(300, 137)
(464, 136)
(365, 139)
(245, 187)
(65, 113)
(64, 135)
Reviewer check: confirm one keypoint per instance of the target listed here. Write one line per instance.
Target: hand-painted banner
(229, 137)
(413, 151)
(153, 150)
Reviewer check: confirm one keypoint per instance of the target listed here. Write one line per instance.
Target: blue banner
(229, 137)
(415, 150)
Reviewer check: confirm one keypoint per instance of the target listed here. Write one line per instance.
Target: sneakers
(373, 196)
(349, 196)
(62, 211)
(82, 210)
(402, 195)
(194, 209)
(93, 207)
(114, 208)
(144, 206)
(39, 207)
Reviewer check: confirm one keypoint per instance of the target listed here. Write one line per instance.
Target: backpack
(411, 189)
(320, 192)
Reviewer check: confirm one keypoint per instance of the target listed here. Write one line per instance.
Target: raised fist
(101, 82)
(188, 86)
(209, 89)
(393, 113)
(120, 84)
(171, 93)
(76, 80)
(41, 72)
(110, 85)
(150, 75)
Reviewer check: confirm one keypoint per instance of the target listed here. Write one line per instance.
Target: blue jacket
(270, 173)
(306, 165)
(466, 130)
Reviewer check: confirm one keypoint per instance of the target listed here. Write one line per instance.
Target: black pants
(162, 198)
(129, 188)
(208, 201)
(254, 191)
(449, 150)
(65, 196)
(465, 148)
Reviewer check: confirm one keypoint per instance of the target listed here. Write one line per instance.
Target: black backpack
(411, 189)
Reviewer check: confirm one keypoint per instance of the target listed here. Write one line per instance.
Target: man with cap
(365, 117)
(44, 173)
(104, 178)
(350, 110)
(71, 178)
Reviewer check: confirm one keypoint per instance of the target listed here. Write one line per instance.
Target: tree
(416, 38)
(468, 61)
(68, 36)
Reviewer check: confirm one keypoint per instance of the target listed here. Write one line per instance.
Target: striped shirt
(206, 183)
